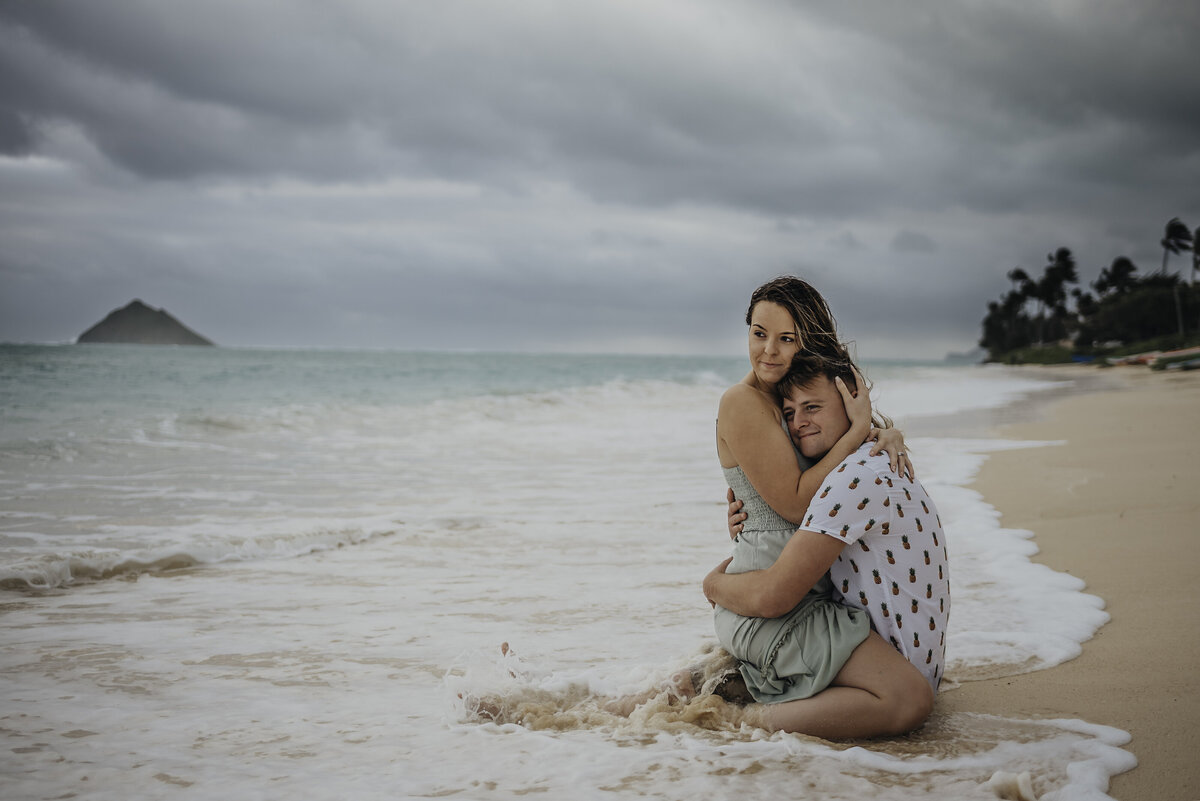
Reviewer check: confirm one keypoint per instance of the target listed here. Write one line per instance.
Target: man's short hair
(806, 367)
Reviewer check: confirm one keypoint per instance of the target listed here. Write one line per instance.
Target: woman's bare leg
(877, 693)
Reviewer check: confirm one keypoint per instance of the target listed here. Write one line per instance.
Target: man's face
(816, 417)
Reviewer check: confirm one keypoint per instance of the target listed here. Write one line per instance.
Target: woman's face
(773, 341)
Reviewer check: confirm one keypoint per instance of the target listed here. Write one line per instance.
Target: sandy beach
(1115, 505)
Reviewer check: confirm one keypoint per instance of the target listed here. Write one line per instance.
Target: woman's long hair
(820, 347)
(814, 321)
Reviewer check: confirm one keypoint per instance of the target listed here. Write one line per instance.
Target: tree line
(1123, 306)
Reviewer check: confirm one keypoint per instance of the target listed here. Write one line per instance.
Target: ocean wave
(66, 448)
(285, 418)
(57, 571)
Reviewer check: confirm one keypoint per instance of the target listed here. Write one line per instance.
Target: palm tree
(1052, 288)
(1024, 289)
(1061, 271)
(1018, 277)
(1177, 238)
(1085, 304)
(1118, 277)
(1195, 254)
(1022, 285)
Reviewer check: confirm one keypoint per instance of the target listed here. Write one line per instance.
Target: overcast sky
(578, 175)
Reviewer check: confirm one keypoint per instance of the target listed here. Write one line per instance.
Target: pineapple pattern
(900, 563)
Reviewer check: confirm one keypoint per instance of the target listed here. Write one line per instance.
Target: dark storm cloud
(465, 90)
(624, 113)
(501, 162)
(16, 134)
(912, 242)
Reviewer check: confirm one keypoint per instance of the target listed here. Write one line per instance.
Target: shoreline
(1114, 506)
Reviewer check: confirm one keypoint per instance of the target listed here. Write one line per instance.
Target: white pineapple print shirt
(894, 563)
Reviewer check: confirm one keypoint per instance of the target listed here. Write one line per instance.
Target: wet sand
(1118, 506)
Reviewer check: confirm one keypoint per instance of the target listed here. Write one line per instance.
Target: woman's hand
(891, 442)
(736, 516)
(858, 403)
(719, 570)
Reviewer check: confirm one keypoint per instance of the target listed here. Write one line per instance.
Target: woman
(818, 670)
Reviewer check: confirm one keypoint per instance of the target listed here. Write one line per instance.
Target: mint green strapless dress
(799, 654)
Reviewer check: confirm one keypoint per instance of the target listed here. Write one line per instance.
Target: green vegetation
(1043, 321)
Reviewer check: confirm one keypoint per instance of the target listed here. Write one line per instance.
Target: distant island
(138, 324)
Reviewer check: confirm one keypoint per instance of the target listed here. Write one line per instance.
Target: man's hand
(719, 570)
(736, 515)
(775, 591)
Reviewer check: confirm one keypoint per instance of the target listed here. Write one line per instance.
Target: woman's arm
(750, 428)
(891, 442)
(887, 440)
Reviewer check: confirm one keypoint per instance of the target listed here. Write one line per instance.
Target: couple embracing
(836, 598)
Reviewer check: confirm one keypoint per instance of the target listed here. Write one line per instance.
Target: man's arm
(775, 591)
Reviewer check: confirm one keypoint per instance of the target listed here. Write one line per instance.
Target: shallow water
(258, 574)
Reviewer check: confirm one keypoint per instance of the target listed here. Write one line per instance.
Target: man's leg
(877, 693)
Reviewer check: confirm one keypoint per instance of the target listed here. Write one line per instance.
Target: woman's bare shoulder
(741, 390)
(742, 397)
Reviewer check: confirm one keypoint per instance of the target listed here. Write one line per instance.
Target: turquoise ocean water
(251, 573)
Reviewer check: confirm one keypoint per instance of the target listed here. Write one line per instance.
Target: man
(877, 535)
